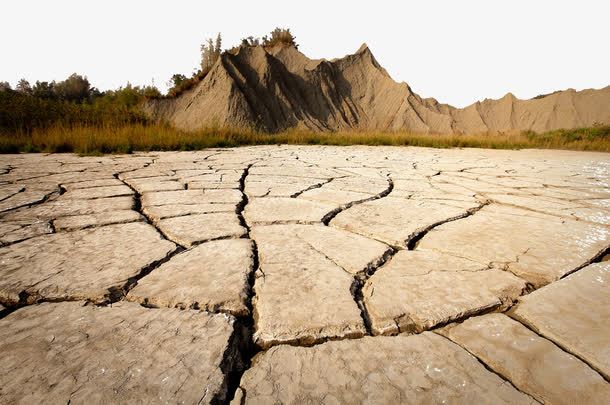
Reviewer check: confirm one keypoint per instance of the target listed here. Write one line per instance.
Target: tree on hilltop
(210, 52)
(176, 80)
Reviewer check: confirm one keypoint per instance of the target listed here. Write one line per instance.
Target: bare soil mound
(279, 88)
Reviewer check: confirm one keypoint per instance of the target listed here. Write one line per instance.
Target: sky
(455, 51)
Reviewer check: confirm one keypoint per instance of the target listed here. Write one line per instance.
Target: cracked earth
(306, 275)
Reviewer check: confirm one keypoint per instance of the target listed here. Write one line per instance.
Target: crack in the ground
(557, 344)
(244, 326)
(113, 294)
(46, 197)
(157, 218)
(21, 190)
(360, 280)
(214, 308)
(570, 215)
(233, 363)
(286, 222)
(601, 256)
(490, 369)
(103, 197)
(137, 206)
(116, 294)
(49, 224)
(90, 226)
(362, 276)
(413, 240)
(50, 174)
(332, 214)
(5, 311)
(241, 349)
(312, 187)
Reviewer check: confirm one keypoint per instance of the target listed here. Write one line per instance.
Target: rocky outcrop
(279, 88)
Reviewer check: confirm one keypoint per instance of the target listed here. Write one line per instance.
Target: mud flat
(306, 274)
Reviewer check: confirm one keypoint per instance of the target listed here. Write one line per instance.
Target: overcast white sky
(455, 51)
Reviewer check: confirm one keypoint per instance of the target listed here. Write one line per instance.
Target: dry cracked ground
(305, 275)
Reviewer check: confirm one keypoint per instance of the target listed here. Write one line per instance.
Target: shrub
(540, 96)
(151, 92)
(177, 80)
(186, 84)
(280, 36)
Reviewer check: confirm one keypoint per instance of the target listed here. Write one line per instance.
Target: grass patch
(127, 138)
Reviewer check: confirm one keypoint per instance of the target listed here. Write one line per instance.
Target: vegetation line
(130, 137)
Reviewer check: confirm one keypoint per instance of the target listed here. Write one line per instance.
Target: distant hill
(278, 88)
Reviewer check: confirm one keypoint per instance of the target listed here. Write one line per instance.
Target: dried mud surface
(305, 274)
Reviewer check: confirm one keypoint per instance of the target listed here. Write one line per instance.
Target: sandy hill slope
(280, 88)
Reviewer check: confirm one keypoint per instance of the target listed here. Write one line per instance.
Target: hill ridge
(279, 88)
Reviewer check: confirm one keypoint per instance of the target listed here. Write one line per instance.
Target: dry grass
(138, 137)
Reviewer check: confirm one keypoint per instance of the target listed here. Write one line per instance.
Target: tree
(23, 86)
(44, 90)
(218, 45)
(5, 86)
(210, 52)
(75, 88)
(177, 80)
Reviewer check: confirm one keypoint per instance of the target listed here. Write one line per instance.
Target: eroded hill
(279, 88)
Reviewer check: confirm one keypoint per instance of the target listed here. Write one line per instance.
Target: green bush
(183, 84)
(25, 112)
